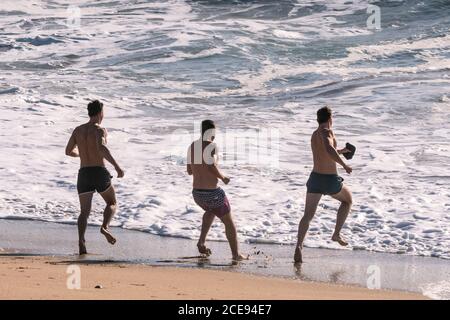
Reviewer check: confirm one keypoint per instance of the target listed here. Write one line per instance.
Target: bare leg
(85, 208)
(312, 200)
(111, 204)
(345, 197)
(208, 219)
(230, 231)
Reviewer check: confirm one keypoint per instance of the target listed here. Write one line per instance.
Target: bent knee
(112, 204)
(348, 202)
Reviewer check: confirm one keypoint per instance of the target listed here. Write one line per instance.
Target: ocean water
(160, 67)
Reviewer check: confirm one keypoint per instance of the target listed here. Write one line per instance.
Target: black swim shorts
(91, 179)
(324, 183)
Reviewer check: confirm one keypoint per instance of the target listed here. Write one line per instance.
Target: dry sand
(41, 277)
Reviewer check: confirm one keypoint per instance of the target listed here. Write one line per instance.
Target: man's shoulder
(192, 144)
(202, 143)
(209, 143)
(89, 129)
(99, 129)
(83, 126)
(325, 131)
(78, 128)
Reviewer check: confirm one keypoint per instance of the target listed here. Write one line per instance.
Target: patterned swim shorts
(212, 200)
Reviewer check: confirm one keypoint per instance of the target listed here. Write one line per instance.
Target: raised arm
(71, 148)
(327, 138)
(104, 151)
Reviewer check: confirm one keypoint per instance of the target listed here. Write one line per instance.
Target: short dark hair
(94, 108)
(323, 114)
(207, 125)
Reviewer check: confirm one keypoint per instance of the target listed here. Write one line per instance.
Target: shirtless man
(324, 180)
(202, 165)
(88, 142)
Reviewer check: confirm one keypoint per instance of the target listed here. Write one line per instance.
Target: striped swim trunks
(212, 200)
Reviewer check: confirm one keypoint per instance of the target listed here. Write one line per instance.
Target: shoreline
(249, 243)
(44, 242)
(45, 277)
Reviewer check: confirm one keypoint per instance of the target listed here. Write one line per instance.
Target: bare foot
(240, 257)
(339, 240)
(82, 247)
(109, 237)
(298, 255)
(203, 249)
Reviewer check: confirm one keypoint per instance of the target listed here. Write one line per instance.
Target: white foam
(397, 116)
(437, 291)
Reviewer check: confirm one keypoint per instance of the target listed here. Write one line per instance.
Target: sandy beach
(36, 255)
(227, 128)
(43, 277)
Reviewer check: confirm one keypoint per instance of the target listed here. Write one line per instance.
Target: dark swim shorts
(91, 179)
(212, 200)
(324, 183)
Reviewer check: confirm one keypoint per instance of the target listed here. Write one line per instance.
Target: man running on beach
(88, 142)
(324, 180)
(202, 165)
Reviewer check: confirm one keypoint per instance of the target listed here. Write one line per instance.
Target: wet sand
(36, 255)
(44, 277)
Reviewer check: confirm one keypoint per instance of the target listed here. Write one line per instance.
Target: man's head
(95, 109)
(208, 130)
(324, 115)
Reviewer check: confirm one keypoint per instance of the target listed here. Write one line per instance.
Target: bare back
(204, 178)
(86, 138)
(323, 163)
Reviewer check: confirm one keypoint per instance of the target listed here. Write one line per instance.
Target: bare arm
(104, 151)
(215, 171)
(71, 148)
(343, 150)
(188, 162)
(327, 137)
(214, 168)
